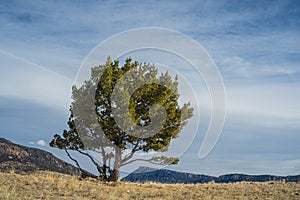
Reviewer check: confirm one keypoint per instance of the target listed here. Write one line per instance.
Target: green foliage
(165, 160)
(69, 140)
(96, 107)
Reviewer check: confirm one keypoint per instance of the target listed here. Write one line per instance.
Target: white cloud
(237, 65)
(247, 40)
(279, 70)
(246, 68)
(41, 143)
(269, 104)
(23, 79)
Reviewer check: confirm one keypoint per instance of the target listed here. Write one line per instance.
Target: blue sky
(255, 45)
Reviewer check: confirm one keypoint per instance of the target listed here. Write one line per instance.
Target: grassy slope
(48, 185)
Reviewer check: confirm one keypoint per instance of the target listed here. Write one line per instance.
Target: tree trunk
(114, 176)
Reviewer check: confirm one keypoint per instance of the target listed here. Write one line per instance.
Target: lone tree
(120, 111)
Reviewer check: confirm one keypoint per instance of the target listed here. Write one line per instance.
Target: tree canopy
(122, 110)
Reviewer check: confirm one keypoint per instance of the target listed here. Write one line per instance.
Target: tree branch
(158, 160)
(73, 159)
(83, 173)
(140, 159)
(99, 168)
(128, 157)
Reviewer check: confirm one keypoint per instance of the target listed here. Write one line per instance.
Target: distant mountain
(146, 174)
(25, 159)
(230, 178)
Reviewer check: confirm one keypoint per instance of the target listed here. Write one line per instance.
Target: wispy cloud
(23, 79)
(265, 103)
(237, 66)
(255, 45)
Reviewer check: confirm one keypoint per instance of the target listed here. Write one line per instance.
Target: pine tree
(97, 119)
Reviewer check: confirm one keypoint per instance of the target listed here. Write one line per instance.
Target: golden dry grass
(48, 185)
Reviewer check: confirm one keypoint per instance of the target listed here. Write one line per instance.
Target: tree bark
(114, 176)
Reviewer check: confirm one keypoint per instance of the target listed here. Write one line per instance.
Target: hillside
(48, 185)
(25, 159)
(146, 174)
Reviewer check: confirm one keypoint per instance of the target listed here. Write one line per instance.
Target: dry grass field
(47, 185)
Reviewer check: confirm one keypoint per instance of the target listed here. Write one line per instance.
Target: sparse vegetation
(49, 185)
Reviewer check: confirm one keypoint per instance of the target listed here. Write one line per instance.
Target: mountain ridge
(145, 174)
(24, 159)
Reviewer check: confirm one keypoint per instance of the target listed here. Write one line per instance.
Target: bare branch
(99, 168)
(83, 173)
(129, 156)
(76, 162)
